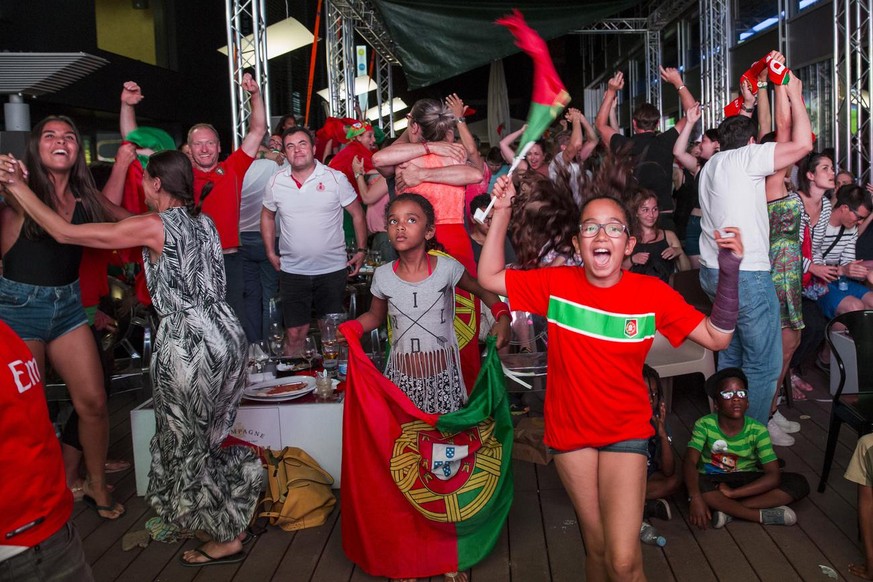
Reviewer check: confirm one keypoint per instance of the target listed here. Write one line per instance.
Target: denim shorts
(639, 446)
(40, 313)
(829, 302)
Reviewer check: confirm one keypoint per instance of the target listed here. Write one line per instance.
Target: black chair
(687, 283)
(856, 410)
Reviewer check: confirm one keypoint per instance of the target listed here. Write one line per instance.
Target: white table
(315, 427)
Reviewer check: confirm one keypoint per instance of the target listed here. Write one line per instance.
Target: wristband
(426, 149)
(762, 84)
(358, 174)
(499, 308)
(748, 109)
(680, 88)
(726, 306)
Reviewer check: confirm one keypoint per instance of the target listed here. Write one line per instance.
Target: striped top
(740, 453)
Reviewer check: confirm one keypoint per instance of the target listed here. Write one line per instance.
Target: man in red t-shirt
(37, 539)
(223, 201)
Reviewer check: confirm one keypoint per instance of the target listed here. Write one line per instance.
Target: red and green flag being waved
(549, 95)
(422, 494)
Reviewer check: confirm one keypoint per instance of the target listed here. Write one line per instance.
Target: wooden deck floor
(541, 541)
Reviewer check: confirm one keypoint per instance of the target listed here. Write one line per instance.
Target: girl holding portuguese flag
(602, 321)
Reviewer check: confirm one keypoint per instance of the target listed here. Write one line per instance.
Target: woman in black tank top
(39, 292)
(657, 252)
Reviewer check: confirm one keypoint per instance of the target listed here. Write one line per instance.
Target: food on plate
(285, 388)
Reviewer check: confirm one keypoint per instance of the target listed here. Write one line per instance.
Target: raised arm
(506, 144)
(716, 330)
(131, 95)
(573, 115)
(146, 230)
(456, 104)
(501, 328)
(591, 139)
(774, 185)
(257, 119)
(801, 132)
(601, 122)
(113, 191)
(674, 77)
(492, 261)
(680, 148)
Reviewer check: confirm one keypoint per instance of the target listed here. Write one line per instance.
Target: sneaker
(781, 515)
(659, 509)
(788, 426)
(778, 436)
(720, 519)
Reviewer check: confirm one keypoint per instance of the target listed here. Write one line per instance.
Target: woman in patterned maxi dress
(199, 358)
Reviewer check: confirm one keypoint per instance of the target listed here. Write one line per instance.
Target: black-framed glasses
(858, 216)
(729, 394)
(612, 229)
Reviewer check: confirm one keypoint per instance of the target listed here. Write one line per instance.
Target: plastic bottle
(649, 535)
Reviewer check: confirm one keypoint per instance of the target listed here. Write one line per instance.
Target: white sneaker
(787, 426)
(778, 436)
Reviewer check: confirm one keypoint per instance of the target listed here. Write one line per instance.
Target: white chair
(688, 358)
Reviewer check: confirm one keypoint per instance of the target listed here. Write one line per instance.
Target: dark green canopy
(438, 40)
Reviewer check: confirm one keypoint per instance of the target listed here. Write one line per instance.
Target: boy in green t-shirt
(730, 468)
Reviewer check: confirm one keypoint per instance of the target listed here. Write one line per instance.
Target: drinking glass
(330, 351)
(310, 350)
(258, 355)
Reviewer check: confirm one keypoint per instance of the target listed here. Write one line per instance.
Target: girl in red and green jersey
(602, 321)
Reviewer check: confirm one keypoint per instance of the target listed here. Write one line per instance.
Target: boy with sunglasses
(730, 468)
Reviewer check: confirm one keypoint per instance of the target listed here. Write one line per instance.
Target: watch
(461, 120)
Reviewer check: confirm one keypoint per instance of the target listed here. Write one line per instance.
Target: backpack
(298, 491)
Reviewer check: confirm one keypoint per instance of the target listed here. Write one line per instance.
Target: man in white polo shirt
(310, 198)
(732, 194)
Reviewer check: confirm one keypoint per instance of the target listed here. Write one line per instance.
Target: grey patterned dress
(198, 371)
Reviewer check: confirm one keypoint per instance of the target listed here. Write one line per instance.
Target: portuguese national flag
(422, 494)
(549, 95)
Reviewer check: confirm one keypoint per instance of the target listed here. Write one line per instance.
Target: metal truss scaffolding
(715, 37)
(653, 70)
(340, 49)
(385, 95)
(853, 56)
(344, 17)
(247, 48)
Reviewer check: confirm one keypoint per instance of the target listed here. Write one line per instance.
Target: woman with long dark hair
(39, 290)
(199, 358)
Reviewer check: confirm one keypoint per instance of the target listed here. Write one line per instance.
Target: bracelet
(500, 308)
(680, 88)
(748, 110)
(426, 149)
(361, 250)
(358, 174)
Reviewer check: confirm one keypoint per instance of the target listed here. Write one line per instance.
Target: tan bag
(298, 491)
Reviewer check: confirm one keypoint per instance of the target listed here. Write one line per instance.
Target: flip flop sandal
(116, 466)
(92, 503)
(210, 561)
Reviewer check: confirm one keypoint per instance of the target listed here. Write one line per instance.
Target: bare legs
(294, 337)
(865, 520)
(74, 357)
(607, 490)
(790, 341)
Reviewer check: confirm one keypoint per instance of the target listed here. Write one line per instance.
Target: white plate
(289, 367)
(256, 391)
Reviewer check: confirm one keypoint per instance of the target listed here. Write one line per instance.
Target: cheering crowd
(585, 231)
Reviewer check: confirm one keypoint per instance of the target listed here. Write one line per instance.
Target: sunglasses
(729, 394)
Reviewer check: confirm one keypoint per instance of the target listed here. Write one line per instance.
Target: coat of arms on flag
(422, 494)
(631, 327)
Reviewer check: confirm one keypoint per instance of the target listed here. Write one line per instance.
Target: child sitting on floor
(730, 468)
(662, 478)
